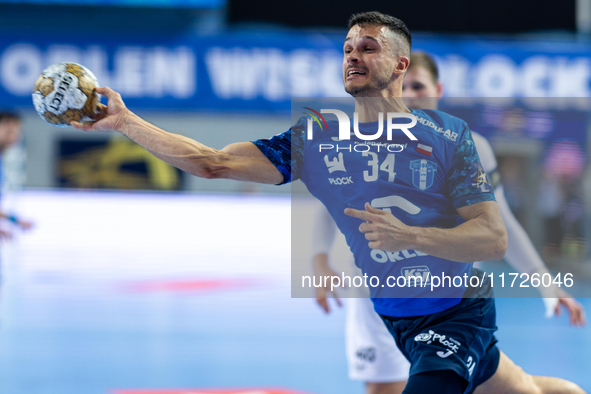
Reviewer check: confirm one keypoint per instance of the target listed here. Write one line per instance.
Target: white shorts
(371, 351)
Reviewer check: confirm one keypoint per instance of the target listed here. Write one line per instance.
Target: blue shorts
(460, 339)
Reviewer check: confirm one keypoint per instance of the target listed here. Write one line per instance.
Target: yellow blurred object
(102, 167)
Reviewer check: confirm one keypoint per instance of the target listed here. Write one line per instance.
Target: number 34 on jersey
(423, 171)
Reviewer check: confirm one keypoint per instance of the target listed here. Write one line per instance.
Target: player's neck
(369, 108)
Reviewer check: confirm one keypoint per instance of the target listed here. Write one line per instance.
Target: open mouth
(354, 72)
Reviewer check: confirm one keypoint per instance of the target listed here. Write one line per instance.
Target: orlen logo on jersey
(345, 124)
(419, 274)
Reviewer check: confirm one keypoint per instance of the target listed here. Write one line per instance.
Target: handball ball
(64, 92)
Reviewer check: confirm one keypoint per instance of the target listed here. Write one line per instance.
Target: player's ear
(439, 89)
(402, 65)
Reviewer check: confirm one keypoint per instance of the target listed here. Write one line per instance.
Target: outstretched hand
(382, 229)
(324, 274)
(576, 312)
(324, 292)
(110, 117)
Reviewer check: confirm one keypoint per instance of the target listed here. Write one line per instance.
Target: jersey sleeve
(286, 151)
(467, 182)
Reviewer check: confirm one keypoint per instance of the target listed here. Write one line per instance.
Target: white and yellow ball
(64, 92)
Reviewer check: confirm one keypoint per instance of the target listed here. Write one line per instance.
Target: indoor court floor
(152, 291)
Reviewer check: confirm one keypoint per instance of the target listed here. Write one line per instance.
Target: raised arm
(241, 161)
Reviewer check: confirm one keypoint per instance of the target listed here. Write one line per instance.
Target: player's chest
(345, 164)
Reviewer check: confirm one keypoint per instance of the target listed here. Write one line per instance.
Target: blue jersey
(421, 182)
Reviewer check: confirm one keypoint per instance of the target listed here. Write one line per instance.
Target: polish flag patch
(424, 149)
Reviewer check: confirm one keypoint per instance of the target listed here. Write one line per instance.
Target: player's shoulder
(297, 130)
(300, 124)
(485, 152)
(479, 140)
(440, 117)
(447, 126)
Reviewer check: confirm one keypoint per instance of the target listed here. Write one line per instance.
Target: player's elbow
(496, 239)
(210, 172)
(206, 173)
(210, 166)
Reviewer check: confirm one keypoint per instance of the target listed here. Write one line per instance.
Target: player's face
(419, 89)
(418, 82)
(369, 61)
(9, 133)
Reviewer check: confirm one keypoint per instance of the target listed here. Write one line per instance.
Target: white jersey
(485, 152)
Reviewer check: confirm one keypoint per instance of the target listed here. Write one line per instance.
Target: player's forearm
(177, 150)
(324, 231)
(481, 238)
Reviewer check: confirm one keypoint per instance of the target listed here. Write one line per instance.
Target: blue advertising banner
(229, 72)
(250, 71)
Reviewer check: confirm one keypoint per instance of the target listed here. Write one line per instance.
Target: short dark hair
(423, 59)
(395, 25)
(9, 116)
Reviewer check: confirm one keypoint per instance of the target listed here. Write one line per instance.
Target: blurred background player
(10, 135)
(372, 354)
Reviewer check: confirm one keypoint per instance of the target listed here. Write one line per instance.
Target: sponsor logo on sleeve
(478, 177)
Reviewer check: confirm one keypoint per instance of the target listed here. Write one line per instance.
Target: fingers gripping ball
(64, 92)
